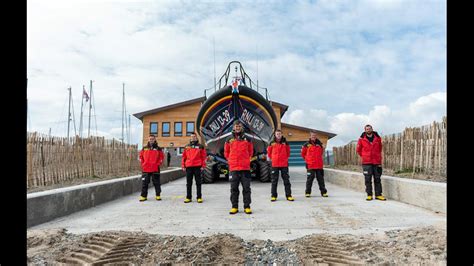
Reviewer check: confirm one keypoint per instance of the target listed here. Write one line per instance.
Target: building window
(178, 129)
(189, 128)
(154, 128)
(165, 129)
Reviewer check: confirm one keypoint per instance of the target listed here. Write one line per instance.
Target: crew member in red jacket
(312, 152)
(279, 151)
(238, 151)
(369, 148)
(151, 157)
(193, 162)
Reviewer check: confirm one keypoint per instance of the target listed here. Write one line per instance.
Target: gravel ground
(425, 246)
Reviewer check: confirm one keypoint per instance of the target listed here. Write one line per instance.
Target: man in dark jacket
(369, 148)
(168, 158)
(279, 151)
(193, 162)
(151, 157)
(312, 152)
(238, 150)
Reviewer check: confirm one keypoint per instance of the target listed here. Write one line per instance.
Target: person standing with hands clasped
(238, 151)
(369, 148)
(151, 157)
(193, 162)
(279, 151)
(312, 152)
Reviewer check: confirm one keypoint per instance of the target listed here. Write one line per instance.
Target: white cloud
(330, 57)
(317, 118)
(349, 126)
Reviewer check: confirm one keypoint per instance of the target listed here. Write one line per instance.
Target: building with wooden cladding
(173, 124)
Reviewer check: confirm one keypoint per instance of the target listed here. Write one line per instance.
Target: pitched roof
(156, 110)
(283, 106)
(330, 135)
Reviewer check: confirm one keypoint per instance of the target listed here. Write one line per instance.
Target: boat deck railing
(244, 79)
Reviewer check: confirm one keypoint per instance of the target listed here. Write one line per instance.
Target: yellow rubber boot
(158, 197)
(186, 200)
(325, 195)
(199, 200)
(380, 197)
(369, 197)
(233, 211)
(248, 210)
(142, 198)
(290, 198)
(273, 199)
(307, 195)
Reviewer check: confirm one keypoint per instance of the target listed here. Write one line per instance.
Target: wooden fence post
(92, 156)
(414, 160)
(401, 153)
(42, 162)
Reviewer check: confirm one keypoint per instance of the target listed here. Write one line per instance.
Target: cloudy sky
(338, 64)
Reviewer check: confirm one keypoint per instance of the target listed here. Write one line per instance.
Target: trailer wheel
(264, 171)
(209, 174)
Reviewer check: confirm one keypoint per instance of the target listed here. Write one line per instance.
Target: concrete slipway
(344, 211)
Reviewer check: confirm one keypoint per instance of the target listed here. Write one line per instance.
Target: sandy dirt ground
(415, 246)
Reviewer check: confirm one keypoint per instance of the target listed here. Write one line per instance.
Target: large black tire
(264, 171)
(209, 174)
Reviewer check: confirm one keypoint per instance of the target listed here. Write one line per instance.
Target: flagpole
(123, 108)
(73, 116)
(69, 114)
(82, 104)
(90, 107)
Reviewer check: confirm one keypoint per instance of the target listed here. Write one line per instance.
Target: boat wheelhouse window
(165, 132)
(178, 129)
(189, 128)
(154, 128)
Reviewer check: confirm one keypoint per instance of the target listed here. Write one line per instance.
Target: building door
(295, 153)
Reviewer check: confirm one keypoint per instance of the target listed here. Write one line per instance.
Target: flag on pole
(85, 95)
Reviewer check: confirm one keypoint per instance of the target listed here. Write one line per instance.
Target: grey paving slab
(344, 211)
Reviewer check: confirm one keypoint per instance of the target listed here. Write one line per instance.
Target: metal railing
(244, 78)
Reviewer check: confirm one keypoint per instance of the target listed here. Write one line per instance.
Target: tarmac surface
(343, 212)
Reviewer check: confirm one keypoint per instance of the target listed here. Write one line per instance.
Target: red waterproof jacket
(151, 158)
(194, 155)
(238, 151)
(312, 153)
(371, 152)
(279, 152)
